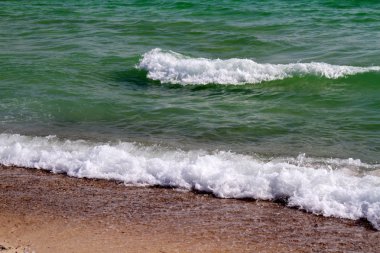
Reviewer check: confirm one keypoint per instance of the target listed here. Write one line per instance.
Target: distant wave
(172, 67)
(346, 188)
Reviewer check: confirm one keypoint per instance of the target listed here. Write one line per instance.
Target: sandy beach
(44, 212)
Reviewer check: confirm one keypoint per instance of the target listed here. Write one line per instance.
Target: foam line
(331, 187)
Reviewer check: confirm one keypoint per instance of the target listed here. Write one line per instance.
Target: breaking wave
(172, 67)
(346, 188)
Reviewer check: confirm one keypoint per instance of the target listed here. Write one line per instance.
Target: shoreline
(45, 212)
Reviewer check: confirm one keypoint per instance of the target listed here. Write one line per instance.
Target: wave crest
(172, 67)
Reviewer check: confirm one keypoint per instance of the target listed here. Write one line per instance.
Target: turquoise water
(71, 70)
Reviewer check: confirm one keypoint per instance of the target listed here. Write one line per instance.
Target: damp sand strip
(56, 213)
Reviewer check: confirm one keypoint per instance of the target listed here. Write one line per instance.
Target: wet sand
(44, 212)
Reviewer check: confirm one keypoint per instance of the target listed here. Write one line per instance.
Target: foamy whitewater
(172, 67)
(346, 188)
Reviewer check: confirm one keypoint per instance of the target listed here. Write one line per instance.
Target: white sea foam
(331, 187)
(171, 67)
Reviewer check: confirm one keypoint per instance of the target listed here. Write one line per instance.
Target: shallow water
(69, 69)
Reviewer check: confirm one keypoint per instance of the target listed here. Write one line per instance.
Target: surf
(345, 188)
(175, 68)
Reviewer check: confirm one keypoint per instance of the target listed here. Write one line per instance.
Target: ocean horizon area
(168, 116)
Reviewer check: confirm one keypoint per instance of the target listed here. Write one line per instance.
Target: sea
(268, 100)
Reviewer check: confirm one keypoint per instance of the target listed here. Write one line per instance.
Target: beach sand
(44, 212)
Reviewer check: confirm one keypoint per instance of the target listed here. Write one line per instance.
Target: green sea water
(69, 68)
